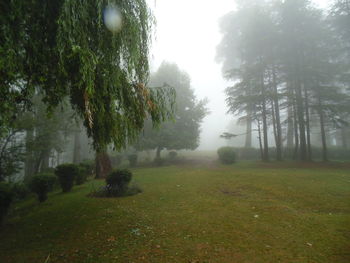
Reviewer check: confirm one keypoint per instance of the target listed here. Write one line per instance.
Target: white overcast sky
(187, 33)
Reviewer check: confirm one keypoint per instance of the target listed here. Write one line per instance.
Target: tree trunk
(45, 161)
(290, 126)
(308, 136)
(274, 122)
(264, 118)
(103, 164)
(29, 160)
(277, 117)
(323, 133)
(301, 122)
(159, 149)
(260, 141)
(77, 146)
(296, 135)
(248, 136)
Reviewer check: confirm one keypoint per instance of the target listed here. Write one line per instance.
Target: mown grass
(241, 213)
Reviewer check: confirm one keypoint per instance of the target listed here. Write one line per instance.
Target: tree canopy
(64, 49)
(183, 132)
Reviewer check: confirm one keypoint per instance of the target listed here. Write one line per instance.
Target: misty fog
(174, 131)
(191, 41)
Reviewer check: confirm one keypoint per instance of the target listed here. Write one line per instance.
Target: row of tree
(291, 65)
(37, 141)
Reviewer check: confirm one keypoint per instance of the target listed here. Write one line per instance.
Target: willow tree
(64, 49)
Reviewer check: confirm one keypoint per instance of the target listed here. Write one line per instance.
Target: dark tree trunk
(103, 164)
(260, 141)
(29, 160)
(296, 135)
(290, 132)
(159, 149)
(264, 119)
(277, 117)
(248, 136)
(308, 136)
(77, 147)
(301, 122)
(323, 133)
(45, 161)
(274, 122)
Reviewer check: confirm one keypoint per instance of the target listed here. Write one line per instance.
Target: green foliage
(82, 175)
(11, 153)
(20, 190)
(86, 169)
(6, 197)
(45, 134)
(64, 49)
(183, 132)
(117, 183)
(227, 155)
(119, 177)
(42, 184)
(66, 174)
(132, 159)
(89, 166)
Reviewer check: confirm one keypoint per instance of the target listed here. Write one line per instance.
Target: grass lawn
(241, 213)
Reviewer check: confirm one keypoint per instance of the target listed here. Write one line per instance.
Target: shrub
(66, 174)
(20, 190)
(118, 181)
(132, 159)
(89, 166)
(227, 155)
(82, 175)
(6, 197)
(42, 184)
(172, 155)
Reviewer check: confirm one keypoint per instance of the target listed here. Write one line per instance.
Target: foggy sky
(187, 33)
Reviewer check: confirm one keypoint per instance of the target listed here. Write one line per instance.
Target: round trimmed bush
(42, 184)
(6, 198)
(20, 190)
(227, 155)
(66, 174)
(118, 181)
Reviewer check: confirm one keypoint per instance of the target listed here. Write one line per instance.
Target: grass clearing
(240, 213)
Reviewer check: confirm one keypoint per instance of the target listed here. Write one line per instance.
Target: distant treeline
(290, 62)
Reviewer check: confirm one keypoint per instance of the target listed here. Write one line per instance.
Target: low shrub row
(43, 183)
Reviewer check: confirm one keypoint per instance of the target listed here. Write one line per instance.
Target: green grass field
(241, 213)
